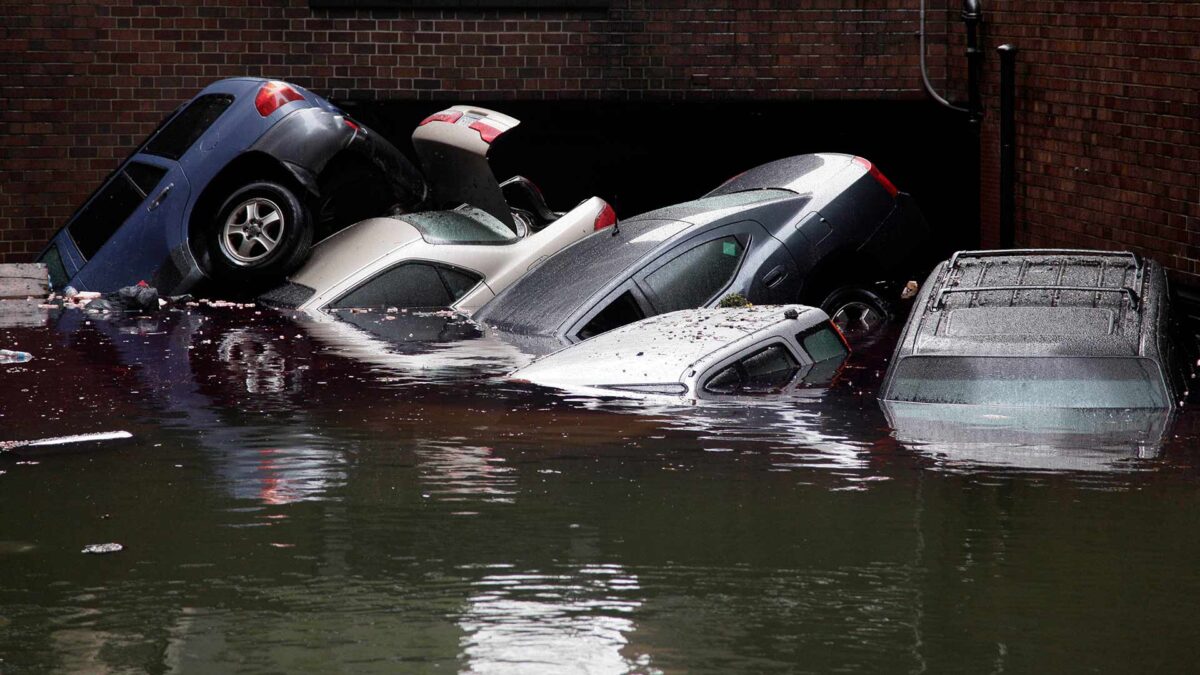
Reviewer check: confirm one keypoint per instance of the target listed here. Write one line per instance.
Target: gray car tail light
(877, 175)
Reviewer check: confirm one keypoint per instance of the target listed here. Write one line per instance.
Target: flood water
(369, 495)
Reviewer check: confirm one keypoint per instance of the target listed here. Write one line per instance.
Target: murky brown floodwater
(311, 497)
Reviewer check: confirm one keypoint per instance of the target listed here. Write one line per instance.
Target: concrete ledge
(24, 280)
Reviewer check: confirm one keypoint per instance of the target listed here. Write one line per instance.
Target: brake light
(607, 217)
(448, 116)
(273, 96)
(350, 124)
(487, 132)
(878, 176)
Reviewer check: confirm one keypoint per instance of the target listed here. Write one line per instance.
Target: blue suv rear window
(181, 132)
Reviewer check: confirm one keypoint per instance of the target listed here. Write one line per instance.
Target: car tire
(261, 233)
(858, 312)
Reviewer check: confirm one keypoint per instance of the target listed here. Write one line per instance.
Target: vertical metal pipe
(1008, 144)
(972, 16)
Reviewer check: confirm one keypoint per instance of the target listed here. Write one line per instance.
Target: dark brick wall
(82, 82)
(1109, 115)
(1108, 126)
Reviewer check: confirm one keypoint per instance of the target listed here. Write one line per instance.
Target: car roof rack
(1134, 299)
(1080, 252)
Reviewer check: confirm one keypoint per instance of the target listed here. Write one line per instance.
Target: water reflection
(453, 471)
(232, 385)
(1043, 439)
(571, 621)
(421, 346)
(287, 506)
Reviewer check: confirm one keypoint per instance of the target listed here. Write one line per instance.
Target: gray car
(1040, 328)
(811, 229)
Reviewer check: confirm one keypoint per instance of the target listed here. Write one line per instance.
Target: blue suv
(233, 186)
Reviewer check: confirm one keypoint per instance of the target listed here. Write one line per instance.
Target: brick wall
(82, 82)
(1108, 126)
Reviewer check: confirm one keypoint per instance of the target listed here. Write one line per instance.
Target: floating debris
(111, 547)
(6, 446)
(11, 356)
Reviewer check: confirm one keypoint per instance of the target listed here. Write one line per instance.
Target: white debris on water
(112, 547)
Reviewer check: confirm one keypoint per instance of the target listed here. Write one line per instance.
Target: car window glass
(54, 265)
(145, 176)
(821, 343)
(727, 381)
(464, 225)
(624, 310)
(458, 282)
(115, 202)
(180, 133)
(693, 278)
(408, 285)
(768, 369)
(1055, 382)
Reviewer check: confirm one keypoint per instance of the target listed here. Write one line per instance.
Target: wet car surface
(298, 497)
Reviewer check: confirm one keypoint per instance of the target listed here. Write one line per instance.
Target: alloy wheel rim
(857, 318)
(252, 231)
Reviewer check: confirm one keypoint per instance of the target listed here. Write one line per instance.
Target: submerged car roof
(661, 347)
(539, 302)
(1038, 302)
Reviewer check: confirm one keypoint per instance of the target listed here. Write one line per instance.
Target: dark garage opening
(643, 155)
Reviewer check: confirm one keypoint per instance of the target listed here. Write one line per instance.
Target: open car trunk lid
(453, 146)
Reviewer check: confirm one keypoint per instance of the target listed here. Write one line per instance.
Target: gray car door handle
(161, 196)
(772, 278)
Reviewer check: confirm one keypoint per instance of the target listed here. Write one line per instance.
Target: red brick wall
(82, 82)
(1108, 126)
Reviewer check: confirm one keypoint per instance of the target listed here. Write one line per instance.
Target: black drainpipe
(1008, 145)
(972, 16)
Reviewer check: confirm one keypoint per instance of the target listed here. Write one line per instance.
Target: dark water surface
(305, 496)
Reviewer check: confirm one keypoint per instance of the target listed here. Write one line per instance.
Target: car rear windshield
(1051, 382)
(464, 225)
(539, 301)
(180, 133)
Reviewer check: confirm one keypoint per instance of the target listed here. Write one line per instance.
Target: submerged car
(700, 354)
(1046, 328)
(233, 185)
(456, 257)
(815, 229)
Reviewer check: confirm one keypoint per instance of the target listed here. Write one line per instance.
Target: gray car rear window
(539, 301)
(1051, 382)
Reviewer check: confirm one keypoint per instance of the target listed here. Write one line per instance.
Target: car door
(122, 233)
(738, 258)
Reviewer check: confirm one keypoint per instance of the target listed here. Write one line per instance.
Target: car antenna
(616, 228)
